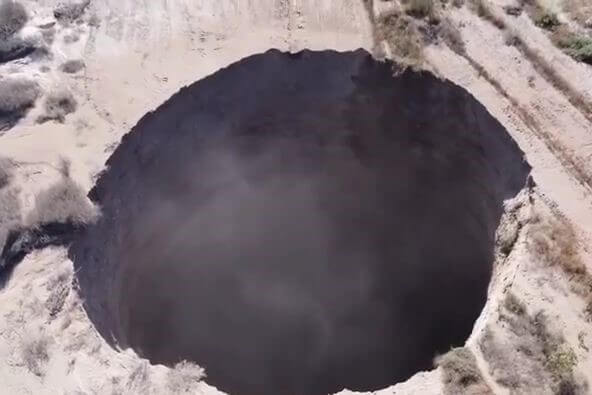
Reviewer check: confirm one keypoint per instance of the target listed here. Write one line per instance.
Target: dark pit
(299, 224)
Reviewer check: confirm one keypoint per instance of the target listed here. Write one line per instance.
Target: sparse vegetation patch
(483, 9)
(545, 19)
(35, 355)
(461, 374)
(183, 377)
(5, 172)
(58, 104)
(419, 8)
(70, 11)
(17, 96)
(13, 17)
(514, 305)
(554, 243)
(511, 38)
(561, 362)
(63, 202)
(72, 66)
(451, 36)
(59, 288)
(531, 356)
(576, 45)
(580, 11)
(10, 212)
(403, 38)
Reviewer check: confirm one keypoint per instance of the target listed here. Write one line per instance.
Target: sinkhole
(299, 224)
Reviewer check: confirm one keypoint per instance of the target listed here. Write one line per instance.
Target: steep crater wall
(300, 223)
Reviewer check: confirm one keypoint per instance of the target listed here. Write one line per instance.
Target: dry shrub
(461, 374)
(540, 15)
(452, 37)
(420, 8)
(10, 213)
(183, 377)
(71, 38)
(139, 381)
(59, 287)
(544, 18)
(403, 38)
(35, 355)
(484, 10)
(579, 10)
(553, 242)
(17, 96)
(63, 202)
(70, 11)
(514, 305)
(65, 167)
(588, 309)
(511, 38)
(72, 66)
(13, 17)
(10, 205)
(6, 172)
(48, 35)
(94, 21)
(58, 104)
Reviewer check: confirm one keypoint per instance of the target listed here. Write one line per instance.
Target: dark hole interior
(300, 224)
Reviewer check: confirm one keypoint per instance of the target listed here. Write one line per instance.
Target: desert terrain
(420, 171)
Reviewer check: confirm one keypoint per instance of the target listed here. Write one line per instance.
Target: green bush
(577, 46)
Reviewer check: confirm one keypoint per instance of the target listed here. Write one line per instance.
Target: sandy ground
(139, 55)
(141, 52)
